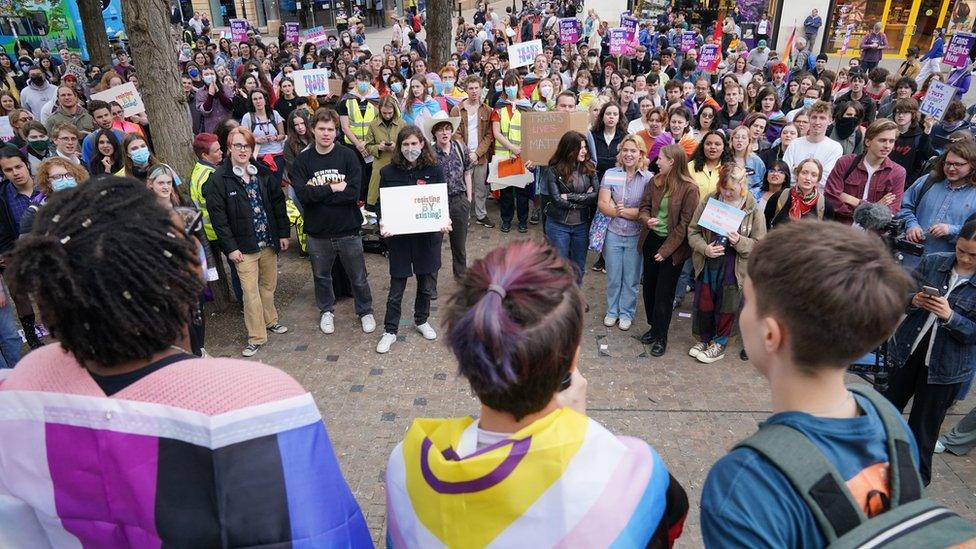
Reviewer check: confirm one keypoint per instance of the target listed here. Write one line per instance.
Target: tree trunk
(155, 58)
(92, 24)
(440, 40)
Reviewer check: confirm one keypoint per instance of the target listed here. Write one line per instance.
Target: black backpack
(911, 520)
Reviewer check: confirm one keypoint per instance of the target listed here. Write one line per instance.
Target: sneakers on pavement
(522, 228)
(327, 323)
(485, 222)
(609, 321)
(939, 447)
(385, 343)
(506, 227)
(277, 328)
(250, 350)
(624, 324)
(713, 353)
(368, 322)
(427, 331)
(534, 218)
(697, 349)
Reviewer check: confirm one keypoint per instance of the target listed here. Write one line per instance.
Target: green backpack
(911, 521)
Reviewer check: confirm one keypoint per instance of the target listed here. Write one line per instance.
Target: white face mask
(410, 154)
(209, 79)
(545, 91)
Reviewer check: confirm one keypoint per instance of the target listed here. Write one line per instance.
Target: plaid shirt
(19, 202)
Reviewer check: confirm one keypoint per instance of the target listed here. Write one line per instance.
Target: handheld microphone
(872, 216)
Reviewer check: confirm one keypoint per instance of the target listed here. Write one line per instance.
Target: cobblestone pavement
(692, 413)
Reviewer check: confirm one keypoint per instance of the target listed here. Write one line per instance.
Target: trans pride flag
(564, 481)
(201, 453)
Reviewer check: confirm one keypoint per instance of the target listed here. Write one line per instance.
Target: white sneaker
(369, 323)
(385, 343)
(427, 330)
(939, 447)
(609, 321)
(327, 323)
(624, 324)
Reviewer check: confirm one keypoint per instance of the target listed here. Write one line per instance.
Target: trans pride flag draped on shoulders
(201, 453)
(564, 481)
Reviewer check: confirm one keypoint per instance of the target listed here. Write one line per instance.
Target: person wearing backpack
(868, 177)
(820, 466)
(802, 200)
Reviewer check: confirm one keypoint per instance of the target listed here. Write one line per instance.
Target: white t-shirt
(867, 186)
(635, 125)
(472, 129)
(266, 128)
(826, 151)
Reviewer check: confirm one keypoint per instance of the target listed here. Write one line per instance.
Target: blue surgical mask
(498, 87)
(396, 87)
(308, 65)
(63, 183)
(448, 85)
(511, 91)
(808, 102)
(363, 87)
(140, 156)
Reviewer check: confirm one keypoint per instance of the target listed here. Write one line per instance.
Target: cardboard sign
(316, 35)
(709, 58)
(508, 172)
(292, 32)
(541, 132)
(414, 209)
(569, 31)
(619, 41)
(937, 99)
(311, 82)
(720, 218)
(523, 53)
(126, 95)
(6, 130)
(687, 41)
(957, 53)
(238, 30)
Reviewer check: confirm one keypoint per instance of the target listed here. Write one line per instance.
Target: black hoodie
(912, 149)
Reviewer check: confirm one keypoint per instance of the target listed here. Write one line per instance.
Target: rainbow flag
(785, 58)
(563, 481)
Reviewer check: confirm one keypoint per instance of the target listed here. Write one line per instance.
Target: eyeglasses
(60, 176)
(68, 138)
(240, 146)
(955, 165)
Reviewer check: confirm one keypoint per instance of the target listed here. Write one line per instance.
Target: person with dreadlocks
(118, 411)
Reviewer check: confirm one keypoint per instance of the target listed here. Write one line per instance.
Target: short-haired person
(805, 199)
(67, 141)
(251, 226)
(475, 130)
(18, 192)
(455, 163)
(121, 369)
(506, 124)
(69, 110)
(816, 144)
(933, 351)
(327, 178)
(853, 300)
(665, 212)
(102, 115)
(571, 183)
(913, 148)
(570, 474)
(871, 177)
(720, 265)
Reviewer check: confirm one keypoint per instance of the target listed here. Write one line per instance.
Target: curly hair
(43, 175)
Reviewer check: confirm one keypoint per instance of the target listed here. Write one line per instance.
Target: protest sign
(523, 53)
(315, 35)
(508, 172)
(629, 23)
(311, 82)
(687, 41)
(541, 132)
(291, 32)
(6, 130)
(709, 58)
(937, 99)
(238, 30)
(847, 39)
(721, 218)
(957, 54)
(569, 31)
(619, 41)
(126, 95)
(414, 209)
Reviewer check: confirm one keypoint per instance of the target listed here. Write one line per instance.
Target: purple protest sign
(957, 53)
(708, 58)
(238, 30)
(628, 22)
(291, 32)
(619, 40)
(569, 30)
(687, 41)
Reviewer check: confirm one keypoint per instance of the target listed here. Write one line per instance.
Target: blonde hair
(637, 142)
(732, 172)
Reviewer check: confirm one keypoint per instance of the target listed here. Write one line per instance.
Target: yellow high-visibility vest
(199, 176)
(511, 128)
(358, 120)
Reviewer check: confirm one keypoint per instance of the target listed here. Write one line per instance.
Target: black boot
(647, 338)
(27, 323)
(659, 347)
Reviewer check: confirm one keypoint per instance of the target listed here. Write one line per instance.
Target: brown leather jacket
(681, 208)
(485, 138)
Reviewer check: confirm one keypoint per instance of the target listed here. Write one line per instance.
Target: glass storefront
(905, 24)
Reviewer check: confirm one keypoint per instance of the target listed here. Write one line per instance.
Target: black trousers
(514, 200)
(929, 407)
(660, 282)
(421, 304)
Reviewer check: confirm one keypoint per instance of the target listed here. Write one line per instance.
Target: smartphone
(566, 382)
(929, 290)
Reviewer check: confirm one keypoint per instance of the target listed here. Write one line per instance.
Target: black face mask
(845, 127)
(37, 80)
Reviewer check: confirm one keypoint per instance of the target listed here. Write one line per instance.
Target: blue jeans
(624, 267)
(570, 241)
(686, 279)
(10, 342)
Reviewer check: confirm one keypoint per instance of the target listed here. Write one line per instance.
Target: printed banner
(687, 41)
(569, 31)
(311, 82)
(523, 53)
(541, 132)
(238, 30)
(316, 35)
(292, 32)
(957, 54)
(937, 99)
(709, 58)
(126, 95)
(720, 218)
(414, 209)
(619, 41)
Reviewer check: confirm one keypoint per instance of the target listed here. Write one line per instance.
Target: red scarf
(800, 207)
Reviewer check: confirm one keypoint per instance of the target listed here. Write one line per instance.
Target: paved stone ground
(692, 413)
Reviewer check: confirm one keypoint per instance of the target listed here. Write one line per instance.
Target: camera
(893, 236)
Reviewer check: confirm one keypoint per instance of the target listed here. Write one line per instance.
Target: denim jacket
(953, 357)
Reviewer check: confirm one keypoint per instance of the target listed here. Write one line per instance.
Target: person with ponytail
(117, 279)
(532, 465)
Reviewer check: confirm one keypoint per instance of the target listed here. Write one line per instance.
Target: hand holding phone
(930, 291)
